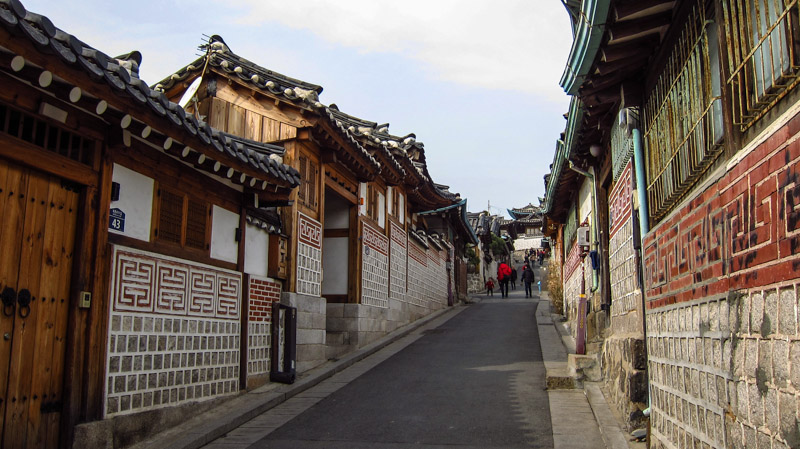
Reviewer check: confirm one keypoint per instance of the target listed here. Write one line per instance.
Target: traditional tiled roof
(370, 136)
(81, 63)
(219, 57)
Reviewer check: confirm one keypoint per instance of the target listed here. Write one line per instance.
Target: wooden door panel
(25, 327)
(35, 365)
(13, 185)
(61, 310)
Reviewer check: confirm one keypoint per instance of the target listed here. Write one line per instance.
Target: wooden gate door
(37, 234)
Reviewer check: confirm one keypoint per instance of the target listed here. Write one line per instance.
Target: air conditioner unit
(584, 236)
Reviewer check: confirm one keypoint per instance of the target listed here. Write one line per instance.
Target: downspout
(595, 236)
(644, 228)
(641, 188)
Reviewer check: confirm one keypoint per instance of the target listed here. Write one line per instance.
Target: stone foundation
(311, 317)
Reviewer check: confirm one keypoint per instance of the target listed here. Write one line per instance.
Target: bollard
(539, 284)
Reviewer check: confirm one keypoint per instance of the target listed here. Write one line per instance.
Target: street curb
(218, 421)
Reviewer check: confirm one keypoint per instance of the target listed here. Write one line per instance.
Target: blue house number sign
(117, 220)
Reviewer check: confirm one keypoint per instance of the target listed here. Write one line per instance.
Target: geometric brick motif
(375, 268)
(173, 335)
(148, 282)
(309, 256)
(417, 269)
(399, 256)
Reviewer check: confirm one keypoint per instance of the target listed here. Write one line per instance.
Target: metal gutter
(563, 151)
(588, 31)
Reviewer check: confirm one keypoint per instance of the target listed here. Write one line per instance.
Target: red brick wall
(263, 293)
(742, 232)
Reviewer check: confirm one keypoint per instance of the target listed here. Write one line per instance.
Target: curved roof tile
(119, 74)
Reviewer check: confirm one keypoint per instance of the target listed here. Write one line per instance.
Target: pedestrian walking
(513, 278)
(504, 276)
(541, 257)
(490, 287)
(528, 278)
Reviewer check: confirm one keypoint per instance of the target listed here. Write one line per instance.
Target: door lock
(9, 298)
(6, 336)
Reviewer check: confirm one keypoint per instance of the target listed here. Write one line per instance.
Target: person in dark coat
(528, 278)
(513, 278)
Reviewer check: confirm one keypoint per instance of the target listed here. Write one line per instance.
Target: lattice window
(182, 220)
(46, 136)
(307, 192)
(196, 219)
(683, 114)
(170, 216)
(622, 141)
(762, 55)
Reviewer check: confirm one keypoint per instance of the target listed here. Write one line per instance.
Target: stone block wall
(721, 277)
(311, 317)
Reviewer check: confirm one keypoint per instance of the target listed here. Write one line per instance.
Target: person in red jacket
(504, 276)
(490, 287)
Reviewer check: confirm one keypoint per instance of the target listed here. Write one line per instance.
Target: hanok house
(686, 113)
(414, 204)
(135, 240)
(349, 213)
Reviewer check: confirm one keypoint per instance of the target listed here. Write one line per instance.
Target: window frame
(157, 236)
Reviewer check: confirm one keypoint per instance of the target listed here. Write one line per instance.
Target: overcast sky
(475, 80)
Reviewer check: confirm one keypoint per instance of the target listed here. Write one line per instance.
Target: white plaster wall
(136, 200)
(381, 210)
(335, 260)
(402, 207)
(585, 200)
(223, 235)
(362, 197)
(256, 250)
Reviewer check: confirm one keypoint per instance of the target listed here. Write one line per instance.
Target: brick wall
(263, 292)
(721, 276)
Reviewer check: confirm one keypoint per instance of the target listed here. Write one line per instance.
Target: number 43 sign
(116, 220)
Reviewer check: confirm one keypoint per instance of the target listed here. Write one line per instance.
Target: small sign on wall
(116, 220)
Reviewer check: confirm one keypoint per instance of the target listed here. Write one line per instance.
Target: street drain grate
(433, 331)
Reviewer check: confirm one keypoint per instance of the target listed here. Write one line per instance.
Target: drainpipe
(641, 188)
(644, 228)
(595, 239)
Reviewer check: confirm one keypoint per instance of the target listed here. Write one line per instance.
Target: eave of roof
(115, 83)
(588, 31)
(559, 176)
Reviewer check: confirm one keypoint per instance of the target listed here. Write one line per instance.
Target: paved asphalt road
(477, 381)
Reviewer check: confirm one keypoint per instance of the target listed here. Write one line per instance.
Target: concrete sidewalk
(580, 417)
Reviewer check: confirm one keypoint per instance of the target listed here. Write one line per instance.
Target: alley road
(475, 381)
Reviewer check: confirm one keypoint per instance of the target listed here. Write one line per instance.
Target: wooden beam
(641, 8)
(632, 49)
(639, 27)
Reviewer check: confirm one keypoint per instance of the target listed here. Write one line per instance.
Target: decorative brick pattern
(625, 292)
(309, 256)
(417, 267)
(263, 293)
(374, 268)
(437, 275)
(399, 263)
(572, 284)
(722, 288)
(173, 333)
(741, 232)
